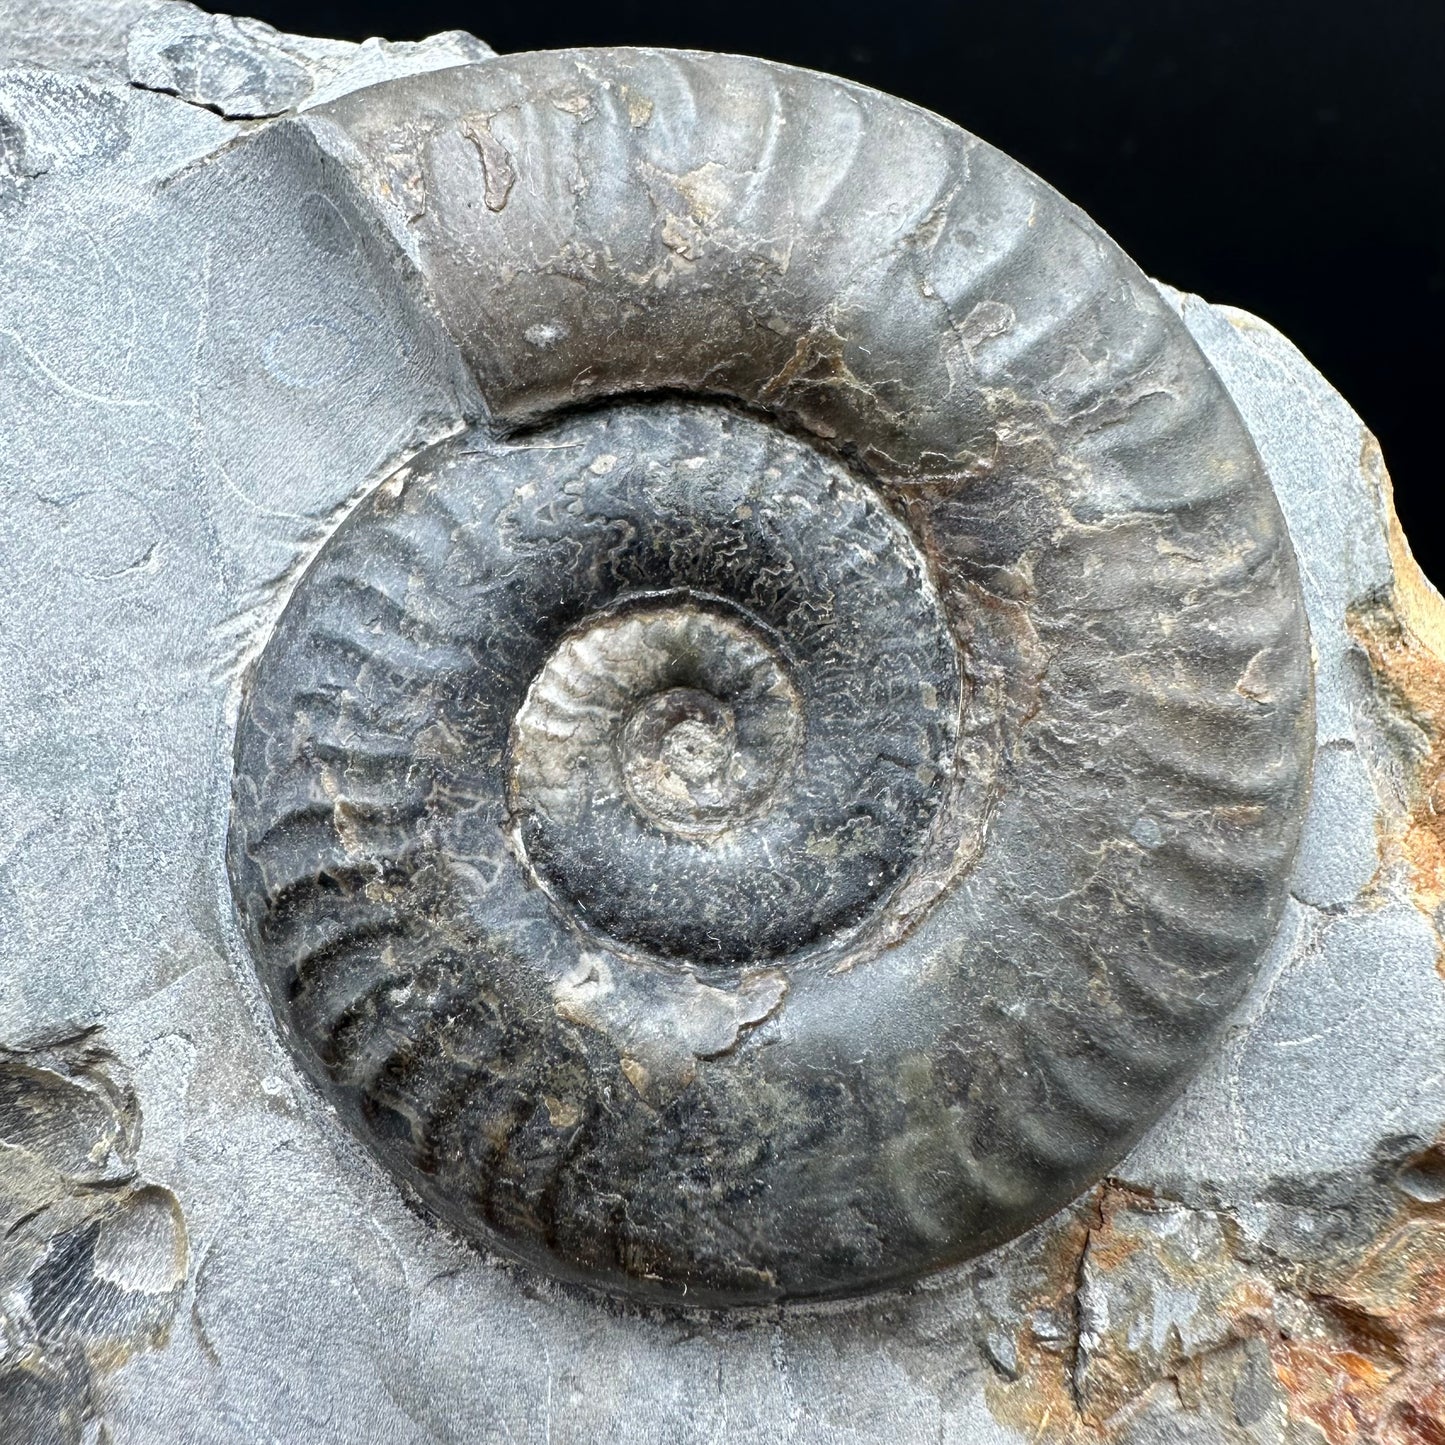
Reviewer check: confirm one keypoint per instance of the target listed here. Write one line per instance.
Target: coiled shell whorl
(779, 803)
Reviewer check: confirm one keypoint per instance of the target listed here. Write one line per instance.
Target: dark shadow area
(1285, 156)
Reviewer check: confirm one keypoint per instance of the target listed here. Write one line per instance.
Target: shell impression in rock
(781, 800)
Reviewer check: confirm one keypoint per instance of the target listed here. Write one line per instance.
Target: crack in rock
(246, 70)
(1319, 1304)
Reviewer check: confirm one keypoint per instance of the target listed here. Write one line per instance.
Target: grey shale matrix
(838, 790)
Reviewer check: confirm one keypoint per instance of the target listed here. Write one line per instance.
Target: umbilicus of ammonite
(780, 801)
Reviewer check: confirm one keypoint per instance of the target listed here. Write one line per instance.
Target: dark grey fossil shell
(782, 801)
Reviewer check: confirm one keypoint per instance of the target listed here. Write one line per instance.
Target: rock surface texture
(267, 463)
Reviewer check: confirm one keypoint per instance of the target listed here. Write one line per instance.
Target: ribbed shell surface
(1021, 713)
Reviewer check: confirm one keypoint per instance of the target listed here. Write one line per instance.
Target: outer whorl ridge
(793, 823)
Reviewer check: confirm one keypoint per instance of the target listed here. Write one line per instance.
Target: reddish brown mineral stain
(1404, 638)
(1351, 1343)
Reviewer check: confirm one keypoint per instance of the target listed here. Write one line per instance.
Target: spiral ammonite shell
(781, 801)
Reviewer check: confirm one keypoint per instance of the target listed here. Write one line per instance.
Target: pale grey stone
(246, 70)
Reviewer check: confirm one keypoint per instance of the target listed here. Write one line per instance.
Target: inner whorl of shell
(684, 716)
(745, 769)
(789, 834)
(688, 713)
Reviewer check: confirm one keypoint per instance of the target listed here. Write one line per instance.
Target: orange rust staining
(1044, 1401)
(1040, 1403)
(1352, 1344)
(1404, 638)
(1109, 1248)
(1329, 1388)
(1372, 1368)
(1350, 1339)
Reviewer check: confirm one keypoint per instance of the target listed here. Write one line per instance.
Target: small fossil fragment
(92, 1259)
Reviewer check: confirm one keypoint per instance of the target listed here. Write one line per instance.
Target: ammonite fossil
(782, 800)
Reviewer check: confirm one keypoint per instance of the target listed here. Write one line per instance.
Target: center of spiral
(680, 762)
(685, 711)
(697, 751)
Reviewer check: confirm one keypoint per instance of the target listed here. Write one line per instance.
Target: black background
(1280, 155)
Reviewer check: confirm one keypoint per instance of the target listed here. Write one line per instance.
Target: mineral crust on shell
(202, 1253)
